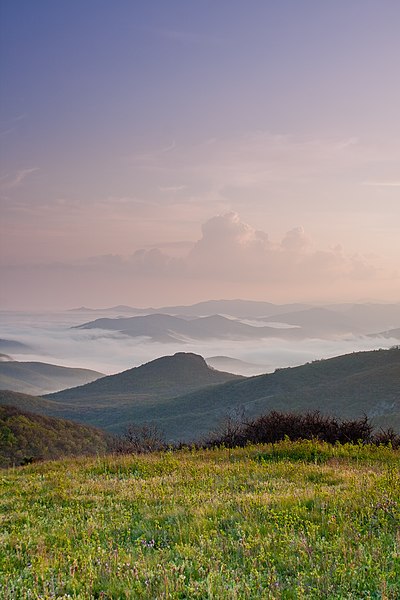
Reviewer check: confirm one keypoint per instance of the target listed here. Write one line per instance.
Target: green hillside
(164, 377)
(301, 521)
(26, 437)
(38, 378)
(346, 386)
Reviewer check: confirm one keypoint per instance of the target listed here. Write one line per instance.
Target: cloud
(231, 258)
(53, 340)
(232, 249)
(390, 184)
(9, 125)
(171, 188)
(13, 180)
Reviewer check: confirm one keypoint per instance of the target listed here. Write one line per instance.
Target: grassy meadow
(294, 520)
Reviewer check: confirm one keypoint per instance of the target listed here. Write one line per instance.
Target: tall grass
(292, 520)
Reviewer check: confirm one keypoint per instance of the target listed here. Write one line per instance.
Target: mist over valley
(242, 330)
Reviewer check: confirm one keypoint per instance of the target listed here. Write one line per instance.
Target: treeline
(266, 429)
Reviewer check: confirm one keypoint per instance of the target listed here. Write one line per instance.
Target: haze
(171, 152)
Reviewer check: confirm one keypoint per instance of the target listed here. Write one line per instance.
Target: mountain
(346, 386)
(25, 437)
(363, 318)
(120, 309)
(41, 378)
(164, 377)
(168, 328)
(234, 308)
(318, 322)
(35, 404)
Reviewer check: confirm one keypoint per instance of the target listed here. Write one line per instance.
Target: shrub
(141, 439)
(277, 426)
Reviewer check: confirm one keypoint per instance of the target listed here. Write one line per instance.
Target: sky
(170, 152)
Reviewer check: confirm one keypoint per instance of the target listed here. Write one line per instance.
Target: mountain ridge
(181, 371)
(39, 378)
(345, 386)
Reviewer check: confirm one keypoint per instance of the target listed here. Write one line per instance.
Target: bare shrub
(141, 439)
(387, 437)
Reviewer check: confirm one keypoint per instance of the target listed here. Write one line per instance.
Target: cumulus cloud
(230, 249)
(231, 258)
(235, 250)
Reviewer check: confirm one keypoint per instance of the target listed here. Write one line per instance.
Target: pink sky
(169, 156)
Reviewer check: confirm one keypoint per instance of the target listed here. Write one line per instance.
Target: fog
(52, 339)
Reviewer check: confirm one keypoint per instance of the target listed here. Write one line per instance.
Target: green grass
(296, 520)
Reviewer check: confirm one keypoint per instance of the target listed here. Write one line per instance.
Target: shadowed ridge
(166, 376)
(39, 378)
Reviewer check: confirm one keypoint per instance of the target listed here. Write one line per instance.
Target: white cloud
(232, 249)
(390, 184)
(12, 180)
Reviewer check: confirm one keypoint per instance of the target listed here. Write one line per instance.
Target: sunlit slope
(26, 436)
(294, 520)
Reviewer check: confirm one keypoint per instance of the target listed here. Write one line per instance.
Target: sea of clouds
(53, 339)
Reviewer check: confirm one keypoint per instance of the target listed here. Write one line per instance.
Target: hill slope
(187, 406)
(293, 520)
(164, 377)
(26, 436)
(41, 378)
(346, 386)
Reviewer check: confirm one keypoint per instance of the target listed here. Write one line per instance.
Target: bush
(141, 439)
(387, 437)
(277, 426)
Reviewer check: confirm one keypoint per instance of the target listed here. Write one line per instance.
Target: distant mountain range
(41, 378)
(186, 399)
(239, 320)
(366, 316)
(235, 308)
(167, 328)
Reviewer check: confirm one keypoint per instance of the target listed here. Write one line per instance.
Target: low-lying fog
(51, 339)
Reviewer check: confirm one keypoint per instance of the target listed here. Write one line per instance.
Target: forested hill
(27, 437)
